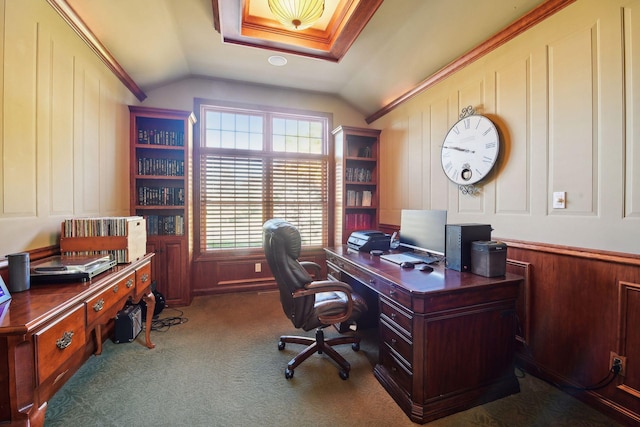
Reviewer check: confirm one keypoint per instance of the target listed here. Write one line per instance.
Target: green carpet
(222, 368)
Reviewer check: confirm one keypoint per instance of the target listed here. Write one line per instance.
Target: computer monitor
(423, 230)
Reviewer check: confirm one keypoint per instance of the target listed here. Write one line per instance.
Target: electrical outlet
(621, 360)
(258, 267)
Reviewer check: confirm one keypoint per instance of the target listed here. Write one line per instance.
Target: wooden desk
(49, 331)
(447, 339)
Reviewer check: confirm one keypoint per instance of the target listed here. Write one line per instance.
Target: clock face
(470, 150)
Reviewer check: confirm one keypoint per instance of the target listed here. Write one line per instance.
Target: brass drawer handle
(392, 293)
(393, 342)
(115, 289)
(65, 341)
(393, 316)
(129, 283)
(144, 278)
(99, 305)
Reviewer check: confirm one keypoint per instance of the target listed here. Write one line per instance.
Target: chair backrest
(282, 245)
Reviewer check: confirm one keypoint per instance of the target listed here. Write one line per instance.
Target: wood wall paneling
(629, 338)
(580, 306)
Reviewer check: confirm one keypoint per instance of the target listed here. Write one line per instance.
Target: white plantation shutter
(283, 176)
(232, 202)
(299, 195)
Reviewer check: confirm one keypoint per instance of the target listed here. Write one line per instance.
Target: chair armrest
(313, 268)
(329, 286)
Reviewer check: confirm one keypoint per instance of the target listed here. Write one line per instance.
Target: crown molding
(77, 24)
(532, 18)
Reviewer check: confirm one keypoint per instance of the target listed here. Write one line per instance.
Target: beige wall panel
(438, 127)
(632, 92)
(393, 180)
(473, 95)
(60, 111)
(19, 113)
(573, 107)
(512, 118)
(56, 95)
(415, 195)
(90, 141)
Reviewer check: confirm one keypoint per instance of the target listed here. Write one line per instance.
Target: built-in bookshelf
(356, 156)
(161, 192)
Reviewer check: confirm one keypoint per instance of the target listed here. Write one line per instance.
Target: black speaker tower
(458, 238)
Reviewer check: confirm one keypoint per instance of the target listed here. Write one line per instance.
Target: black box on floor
(128, 324)
(488, 258)
(458, 238)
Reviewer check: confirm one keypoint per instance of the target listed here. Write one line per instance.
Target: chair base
(319, 345)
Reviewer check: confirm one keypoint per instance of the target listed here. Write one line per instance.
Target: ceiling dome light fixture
(297, 14)
(277, 60)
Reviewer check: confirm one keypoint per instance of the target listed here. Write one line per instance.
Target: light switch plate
(559, 199)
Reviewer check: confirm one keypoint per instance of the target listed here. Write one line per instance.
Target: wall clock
(470, 150)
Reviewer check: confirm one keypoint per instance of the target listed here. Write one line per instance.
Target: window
(255, 165)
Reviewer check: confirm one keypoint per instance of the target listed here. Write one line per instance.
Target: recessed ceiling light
(277, 60)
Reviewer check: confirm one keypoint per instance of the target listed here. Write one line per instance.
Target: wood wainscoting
(577, 307)
(240, 272)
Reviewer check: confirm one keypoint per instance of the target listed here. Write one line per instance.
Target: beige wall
(63, 129)
(180, 95)
(566, 96)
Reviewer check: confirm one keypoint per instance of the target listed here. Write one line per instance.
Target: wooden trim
(616, 257)
(77, 24)
(532, 18)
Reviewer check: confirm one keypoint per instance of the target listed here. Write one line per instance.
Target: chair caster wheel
(280, 345)
(355, 346)
(344, 374)
(288, 373)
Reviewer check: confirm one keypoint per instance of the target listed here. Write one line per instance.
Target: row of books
(165, 225)
(359, 198)
(164, 167)
(160, 196)
(103, 227)
(357, 175)
(98, 226)
(358, 221)
(161, 137)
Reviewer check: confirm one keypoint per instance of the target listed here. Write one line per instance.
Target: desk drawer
(397, 370)
(56, 343)
(104, 303)
(143, 279)
(396, 341)
(396, 316)
(379, 284)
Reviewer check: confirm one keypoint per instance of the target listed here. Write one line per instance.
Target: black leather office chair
(307, 303)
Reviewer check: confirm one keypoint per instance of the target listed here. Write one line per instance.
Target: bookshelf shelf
(356, 155)
(161, 191)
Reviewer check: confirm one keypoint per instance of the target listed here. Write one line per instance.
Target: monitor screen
(423, 230)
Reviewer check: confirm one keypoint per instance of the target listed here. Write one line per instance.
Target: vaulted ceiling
(156, 42)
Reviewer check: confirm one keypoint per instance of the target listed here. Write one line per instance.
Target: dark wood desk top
(43, 301)
(440, 280)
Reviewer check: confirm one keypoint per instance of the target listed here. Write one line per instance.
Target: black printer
(368, 240)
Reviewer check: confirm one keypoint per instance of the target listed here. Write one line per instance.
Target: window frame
(268, 111)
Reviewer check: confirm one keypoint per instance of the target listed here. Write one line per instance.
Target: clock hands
(465, 150)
